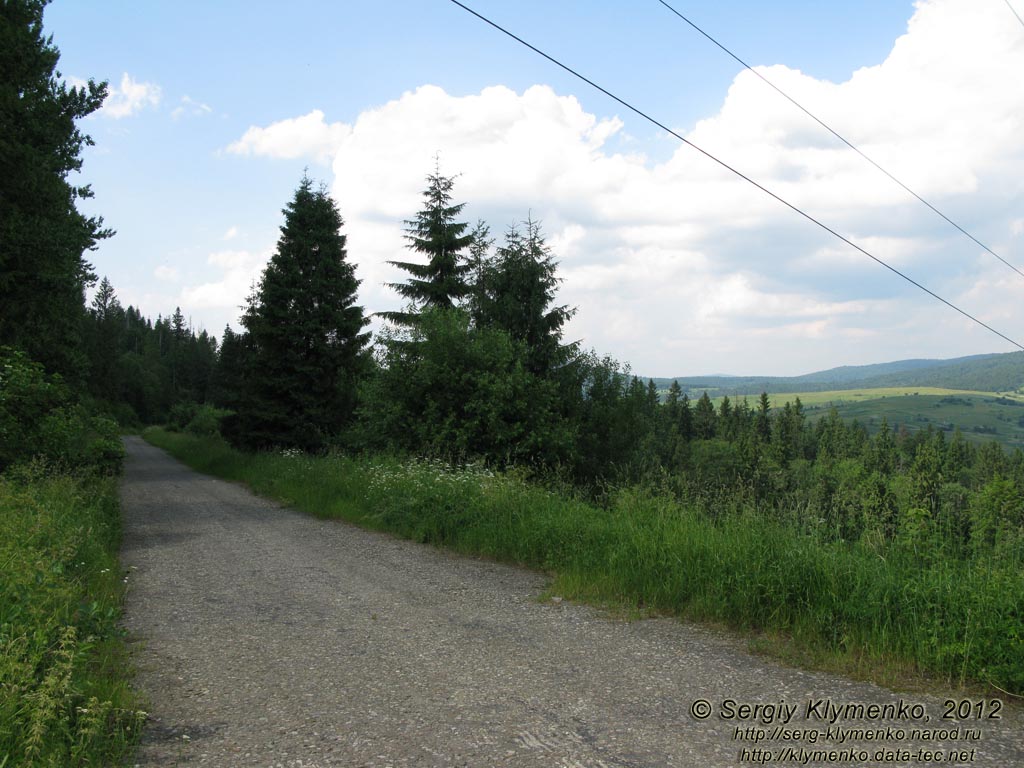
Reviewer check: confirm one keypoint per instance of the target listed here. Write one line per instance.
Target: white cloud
(239, 270)
(129, 98)
(680, 260)
(306, 136)
(231, 234)
(189, 106)
(166, 274)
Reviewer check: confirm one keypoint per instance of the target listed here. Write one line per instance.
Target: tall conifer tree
(435, 233)
(520, 291)
(43, 236)
(306, 332)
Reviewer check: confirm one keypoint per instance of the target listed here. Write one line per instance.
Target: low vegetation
(65, 698)
(874, 599)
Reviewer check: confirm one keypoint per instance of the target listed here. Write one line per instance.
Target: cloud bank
(681, 267)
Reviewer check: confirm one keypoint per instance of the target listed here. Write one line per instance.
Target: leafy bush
(181, 415)
(207, 421)
(38, 421)
(27, 394)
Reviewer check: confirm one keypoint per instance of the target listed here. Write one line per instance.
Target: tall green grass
(65, 698)
(963, 620)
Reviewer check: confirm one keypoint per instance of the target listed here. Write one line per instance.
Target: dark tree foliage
(461, 391)
(43, 236)
(478, 275)
(104, 327)
(704, 418)
(234, 363)
(306, 333)
(515, 292)
(139, 370)
(434, 233)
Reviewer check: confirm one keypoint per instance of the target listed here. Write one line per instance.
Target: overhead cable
(728, 167)
(1014, 12)
(828, 128)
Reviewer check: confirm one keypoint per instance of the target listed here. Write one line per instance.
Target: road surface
(270, 638)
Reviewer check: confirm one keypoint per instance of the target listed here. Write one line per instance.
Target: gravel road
(270, 638)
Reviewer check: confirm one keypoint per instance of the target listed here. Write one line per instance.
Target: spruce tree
(43, 236)
(518, 297)
(435, 233)
(306, 333)
(762, 424)
(685, 418)
(105, 327)
(704, 418)
(481, 265)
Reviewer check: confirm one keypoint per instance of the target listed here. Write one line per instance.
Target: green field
(981, 416)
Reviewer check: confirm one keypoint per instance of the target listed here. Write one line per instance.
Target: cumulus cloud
(129, 98)
(679, 261)
(239, 271)
(307, 136)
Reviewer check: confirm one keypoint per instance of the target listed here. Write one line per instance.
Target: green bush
(39, 421)
(206, 421)
(181, 415)
(27, 394)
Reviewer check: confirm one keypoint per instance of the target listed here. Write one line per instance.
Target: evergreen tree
(725, 419)
(704, 418)
(232, 369)
(685, 418)
(307, 333)
(480, 267)
(762, 425)
(518, 297)
(882, 455)
(43, 236)
(106, 326)
(435, 233)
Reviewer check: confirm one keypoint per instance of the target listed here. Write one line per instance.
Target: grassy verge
(65, 698)
(872, 605)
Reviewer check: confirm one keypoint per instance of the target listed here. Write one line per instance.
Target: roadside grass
(65, 695)
(868, 605)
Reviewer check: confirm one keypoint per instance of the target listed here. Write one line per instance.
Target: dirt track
(270, 638)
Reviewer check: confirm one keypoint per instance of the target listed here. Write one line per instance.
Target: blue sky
(676, 267)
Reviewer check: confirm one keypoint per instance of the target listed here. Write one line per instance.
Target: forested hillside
(985, 373)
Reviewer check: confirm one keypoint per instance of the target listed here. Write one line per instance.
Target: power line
(828, 128)
(728, 167)
(1014, 12)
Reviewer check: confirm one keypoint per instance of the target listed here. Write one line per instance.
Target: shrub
(207, 421)
(39, 421)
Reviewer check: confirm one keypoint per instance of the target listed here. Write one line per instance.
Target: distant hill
(986, 373)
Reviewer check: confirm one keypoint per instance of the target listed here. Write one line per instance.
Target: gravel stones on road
(271, 638)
